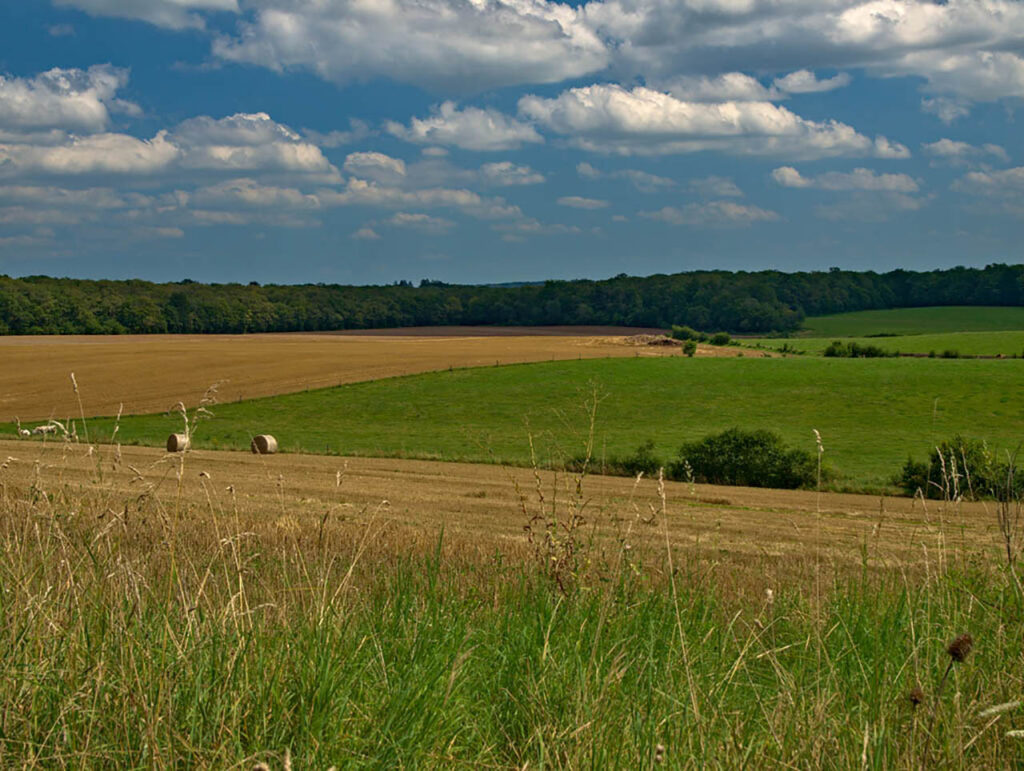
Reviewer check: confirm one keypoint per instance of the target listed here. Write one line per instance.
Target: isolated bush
(963, 467)
(642, 459)
(751, 458)
(720, 338)
(690, 347)
(687, 333)
(950, 353)
(839, 349)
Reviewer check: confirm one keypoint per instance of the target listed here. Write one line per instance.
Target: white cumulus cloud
(992, 182)
(806, 82)
(68, 99)
(451, 45)
(611, 119)
(578, 202)
(173, 14)
(507, 174)
(470, 128)
(374, 166)
(713, 214)
(715, 187)
(423, 223)
(954, 152)
(93, 154)
(858, 179)
(237, 143)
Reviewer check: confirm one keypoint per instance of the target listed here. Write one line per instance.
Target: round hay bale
(177, 443)
(264, 444)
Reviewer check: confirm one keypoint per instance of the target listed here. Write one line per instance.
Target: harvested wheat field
(488, 506)
(151, 373)
(227, 610)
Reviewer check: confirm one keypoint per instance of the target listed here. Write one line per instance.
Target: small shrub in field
(839, 349)
(720, 338)
(690, 347)
(687, 333)
(949, 353)
(750, 458)
(963, 467)
(642, 460)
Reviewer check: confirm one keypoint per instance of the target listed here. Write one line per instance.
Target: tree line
(738, 302)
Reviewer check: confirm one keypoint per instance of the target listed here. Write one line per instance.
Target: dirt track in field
(479, 504)
(152, 373)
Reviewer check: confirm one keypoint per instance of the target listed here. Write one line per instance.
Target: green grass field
(916, 321)
(872, 414)
(1005, 343)
(200, 640)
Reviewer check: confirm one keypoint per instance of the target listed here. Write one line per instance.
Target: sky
(488, 141)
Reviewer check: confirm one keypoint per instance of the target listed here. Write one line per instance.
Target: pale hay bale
(177, 443)
(263, 444)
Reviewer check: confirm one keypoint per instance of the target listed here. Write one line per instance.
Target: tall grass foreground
(140, 628)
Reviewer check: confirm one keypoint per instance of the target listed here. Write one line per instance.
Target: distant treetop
(740, 302)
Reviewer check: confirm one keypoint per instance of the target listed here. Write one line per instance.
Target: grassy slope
(872, 413)
(1006, 343)
(916, 321)
(207, 640)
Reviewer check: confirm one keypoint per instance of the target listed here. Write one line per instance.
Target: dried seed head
(960, 647)
(915, 695)
(659, 754)
(261, 767)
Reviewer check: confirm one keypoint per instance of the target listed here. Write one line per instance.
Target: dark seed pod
(960, 647)
(915, 695)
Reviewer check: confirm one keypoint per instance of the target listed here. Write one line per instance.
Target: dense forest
(761, 302)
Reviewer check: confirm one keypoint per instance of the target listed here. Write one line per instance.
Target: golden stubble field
(152, 373)
(485, 508)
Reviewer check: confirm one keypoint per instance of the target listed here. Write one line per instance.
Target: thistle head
(915, 695)
(960, 647)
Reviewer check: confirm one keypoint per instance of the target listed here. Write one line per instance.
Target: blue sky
(367, 141)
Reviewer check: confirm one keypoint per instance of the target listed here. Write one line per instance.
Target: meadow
(916, 321)
(872, 414)
(221, 610)
(1002, 343)
(216, 608)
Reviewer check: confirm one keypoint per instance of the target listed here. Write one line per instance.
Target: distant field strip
(965, 343)
(917, 321)
(872, 413)
(153, 372)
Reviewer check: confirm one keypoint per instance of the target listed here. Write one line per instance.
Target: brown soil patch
(151, 373)
(479, 504)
